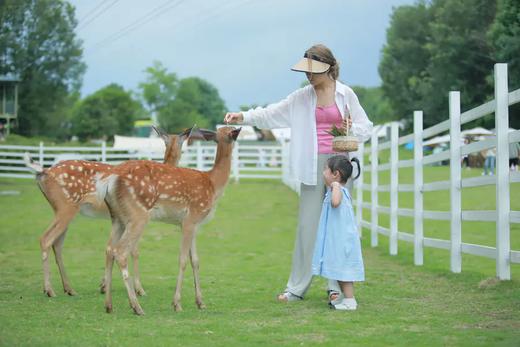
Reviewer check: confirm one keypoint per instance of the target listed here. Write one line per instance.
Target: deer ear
(234, 133)
(162, 134)
(208, 135)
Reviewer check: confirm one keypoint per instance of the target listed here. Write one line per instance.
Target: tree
(433, 48)
(405, 58)
(39, 44)
(109, 111)
(160, 87)
(461, 57)
(375, 104)
(196, 102)
(505, 37)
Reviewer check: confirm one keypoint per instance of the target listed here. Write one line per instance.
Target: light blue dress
(337, 253)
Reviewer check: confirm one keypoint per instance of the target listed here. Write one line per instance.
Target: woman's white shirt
(297, 111)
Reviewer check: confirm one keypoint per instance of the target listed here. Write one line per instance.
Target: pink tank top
(325, 117)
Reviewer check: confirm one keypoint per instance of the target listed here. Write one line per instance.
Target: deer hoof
(138, 310)
(140, 292)
(177, 307)
(70, 292)
(108, 308)
(49, 292)
(201, 306)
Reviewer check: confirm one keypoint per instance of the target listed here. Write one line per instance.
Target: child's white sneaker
(347, 304)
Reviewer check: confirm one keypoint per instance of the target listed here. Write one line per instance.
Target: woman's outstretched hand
(234, 118)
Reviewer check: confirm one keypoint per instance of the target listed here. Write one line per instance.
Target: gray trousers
(311, 200)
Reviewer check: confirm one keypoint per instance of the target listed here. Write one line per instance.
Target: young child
(337, 253)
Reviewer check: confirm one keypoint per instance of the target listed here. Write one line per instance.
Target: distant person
(465, 157)
(489, 162)
(337, 252)
(309, 112)
(2, 132)
(514, 152)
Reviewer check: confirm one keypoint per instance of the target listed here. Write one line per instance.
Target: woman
(309, 112)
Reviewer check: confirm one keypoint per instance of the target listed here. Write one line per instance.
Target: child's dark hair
(344, 166)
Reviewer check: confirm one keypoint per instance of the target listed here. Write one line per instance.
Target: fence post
(418, 236)
(455, 183)
(41, 154)
(235, 162)
(503, 245)
(373, 190)
(104, 151)
(359, 190)
(200, 163)
(394, 182)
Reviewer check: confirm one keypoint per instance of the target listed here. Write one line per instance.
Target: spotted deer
(139, 191)
(69, 187)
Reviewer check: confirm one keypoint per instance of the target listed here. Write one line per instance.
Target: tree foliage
(38, 43)
(375, 104)
(437, 46)
(109, 111)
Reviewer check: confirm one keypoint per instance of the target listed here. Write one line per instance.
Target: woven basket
(346, 143)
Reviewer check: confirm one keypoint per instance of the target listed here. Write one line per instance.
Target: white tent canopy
(141, 144)
(437, 140)
(476, 132)
(282, 134)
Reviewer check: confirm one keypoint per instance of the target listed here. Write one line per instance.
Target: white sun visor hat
(311, 63)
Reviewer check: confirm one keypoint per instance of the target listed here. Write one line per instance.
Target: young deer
(138, 191)
(69, 187)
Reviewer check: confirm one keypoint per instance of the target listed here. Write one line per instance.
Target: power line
(92, 11)
(141, 21)
(97, 15)
(219, 11)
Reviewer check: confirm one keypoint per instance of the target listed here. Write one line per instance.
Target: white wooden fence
(262, 161)
(503, 216)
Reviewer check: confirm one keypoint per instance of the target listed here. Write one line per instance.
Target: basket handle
(347, 116)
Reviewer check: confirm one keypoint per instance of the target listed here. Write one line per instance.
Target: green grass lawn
(245, 260)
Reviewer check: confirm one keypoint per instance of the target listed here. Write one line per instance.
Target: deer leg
(106, 286)
(137, 278)
(121, 251)
(194, 258)
(47, 240)
(187, 237)
(57, 247)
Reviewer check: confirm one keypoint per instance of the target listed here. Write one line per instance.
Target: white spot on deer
(65, 175)
(80, 168)
(169, 187)
(164, 196)
(161, 183)
(125, 274)
(142, 183)
(129, 176)
(72, 167)
(70, 184)
(201, 204)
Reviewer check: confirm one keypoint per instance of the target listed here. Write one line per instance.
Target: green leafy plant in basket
(342, 141)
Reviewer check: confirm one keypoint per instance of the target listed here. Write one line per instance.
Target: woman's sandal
(333, 296)
(288, 296)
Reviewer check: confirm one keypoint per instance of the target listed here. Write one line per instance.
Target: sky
(245, 48)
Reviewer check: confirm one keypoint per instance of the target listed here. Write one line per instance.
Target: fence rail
(502, 216)
(263, 161)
